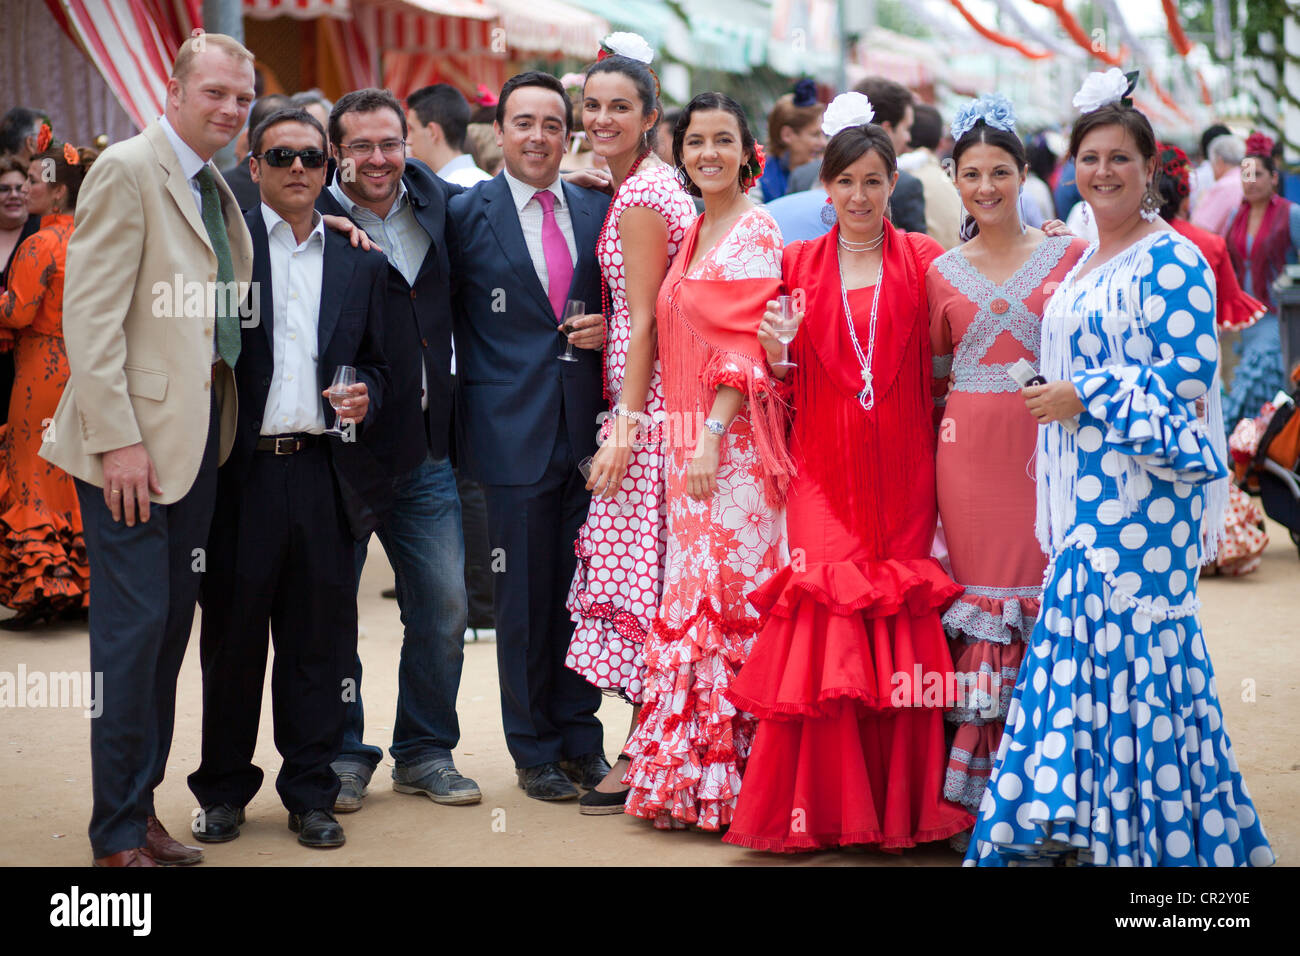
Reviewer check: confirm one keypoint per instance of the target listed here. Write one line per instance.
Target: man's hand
(356, 235)
(129, 477)
(355, 405)
(598, 179)
(588, 332)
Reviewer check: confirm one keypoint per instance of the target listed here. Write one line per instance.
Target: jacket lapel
(178, 187)
(503, 219)
(338, 269)
(262, 276)
(585, 228)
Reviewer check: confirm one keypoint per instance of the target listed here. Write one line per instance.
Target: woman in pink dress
(616, 588)
(986, 303)
(727, 470)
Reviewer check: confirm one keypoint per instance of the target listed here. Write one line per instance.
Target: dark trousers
(144, 581)
(548, 711)
(281, 553)
(478, 552)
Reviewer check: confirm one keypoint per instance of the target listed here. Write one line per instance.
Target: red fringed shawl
(708, 330)
(1268, 252)
(864, 460)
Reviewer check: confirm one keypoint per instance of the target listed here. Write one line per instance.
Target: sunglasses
(281, 156)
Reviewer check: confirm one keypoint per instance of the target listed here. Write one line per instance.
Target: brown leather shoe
(137, 857)
(167, 851)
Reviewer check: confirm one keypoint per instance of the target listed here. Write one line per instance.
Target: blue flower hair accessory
(993, 108)
(805, 93)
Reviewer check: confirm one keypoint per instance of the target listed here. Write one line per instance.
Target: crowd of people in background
(804, 358)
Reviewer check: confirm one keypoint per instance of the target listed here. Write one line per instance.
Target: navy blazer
(350, 331)
(512, 391)
(417, 321)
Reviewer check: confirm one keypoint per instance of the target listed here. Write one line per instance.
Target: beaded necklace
(866, 397)
(604, 286)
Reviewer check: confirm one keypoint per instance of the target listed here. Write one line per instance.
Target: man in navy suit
(524, 243)
(291, 500)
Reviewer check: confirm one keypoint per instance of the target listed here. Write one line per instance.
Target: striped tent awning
(298, 9)
(551, 26)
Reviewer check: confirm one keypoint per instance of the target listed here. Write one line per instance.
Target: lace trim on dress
(1156, 609)
(968, 620)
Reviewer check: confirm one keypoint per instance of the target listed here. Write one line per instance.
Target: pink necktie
(559, 267)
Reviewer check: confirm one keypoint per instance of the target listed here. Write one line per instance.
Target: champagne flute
(620, 500)
(345, 376)
(572, 309)
(785, 328)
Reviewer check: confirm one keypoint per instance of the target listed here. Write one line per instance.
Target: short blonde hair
(194, 45)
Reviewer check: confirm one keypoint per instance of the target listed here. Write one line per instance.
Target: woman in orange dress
(43, 569)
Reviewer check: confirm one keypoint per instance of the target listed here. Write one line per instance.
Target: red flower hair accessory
(44, 136)
(70, 155)
(485, 96)
(1257, 144)
(753, 170)
(1173, 163)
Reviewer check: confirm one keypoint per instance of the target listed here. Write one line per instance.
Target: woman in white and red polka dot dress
(616, 590)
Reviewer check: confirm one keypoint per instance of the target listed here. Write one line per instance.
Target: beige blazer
(138, 321)
(943, 208)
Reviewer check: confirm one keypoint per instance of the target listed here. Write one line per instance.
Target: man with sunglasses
(291, 499)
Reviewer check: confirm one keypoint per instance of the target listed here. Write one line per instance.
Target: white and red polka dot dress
(616, 590)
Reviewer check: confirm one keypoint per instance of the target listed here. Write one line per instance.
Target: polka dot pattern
(1115, 748)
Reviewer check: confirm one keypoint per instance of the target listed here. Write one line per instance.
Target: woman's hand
(1053, 402)
(702, 469)
(1054, 228)
(609, 464)
(767, 336)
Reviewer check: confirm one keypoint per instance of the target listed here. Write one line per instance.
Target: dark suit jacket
(417, 324)
(908, 203)
(247, 193)
(511, 390)
(349, 332)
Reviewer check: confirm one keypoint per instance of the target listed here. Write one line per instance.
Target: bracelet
(641, 418)
(715, 426)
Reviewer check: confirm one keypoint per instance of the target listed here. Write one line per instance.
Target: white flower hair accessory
(630, 45)
(847, 109)
(993, 108)
(1099, 89)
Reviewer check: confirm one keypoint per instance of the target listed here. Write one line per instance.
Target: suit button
(207, 332)
(266, 382)
(256, 426)
(412, 293)
(424, 342)
(207, 385)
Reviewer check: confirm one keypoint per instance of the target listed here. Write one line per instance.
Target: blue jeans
(422, 538)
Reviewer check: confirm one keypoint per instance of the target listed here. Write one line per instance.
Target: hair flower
(631, 45)
(485, 96)
(1099, 89)
(70, 155)
(993, 108)
(753, 170)
(1257, 144)
(847, 109)
(43, 136)
(805, 93)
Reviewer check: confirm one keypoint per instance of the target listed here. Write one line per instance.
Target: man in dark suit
(524, 244)
(282, 546)
(894, 113)
(402, 205)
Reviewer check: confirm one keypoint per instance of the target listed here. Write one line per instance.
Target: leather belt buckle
(287, 446)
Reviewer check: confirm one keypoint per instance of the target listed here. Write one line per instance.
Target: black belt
(286, 444)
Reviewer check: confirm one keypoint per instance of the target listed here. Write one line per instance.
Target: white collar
(521, 192)
(273, 219)
(191, 162)
(463, 161)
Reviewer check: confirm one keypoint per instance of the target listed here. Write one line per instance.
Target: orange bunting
(1071, 26)
(999, 38)
(1176, 34)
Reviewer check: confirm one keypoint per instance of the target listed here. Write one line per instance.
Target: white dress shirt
(530, 220)
(462, 172)
(293, 402)
(191, 162)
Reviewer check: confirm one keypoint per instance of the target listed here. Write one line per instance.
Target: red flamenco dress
(851, 671)
(43, 566)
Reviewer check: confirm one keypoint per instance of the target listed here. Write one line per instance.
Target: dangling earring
(1020, 195)
(828, 213)
(1150, 204)
(889, 212)
(1085, 215)
(685, 180)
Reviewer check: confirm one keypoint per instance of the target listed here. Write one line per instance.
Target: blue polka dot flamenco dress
(1115, 753)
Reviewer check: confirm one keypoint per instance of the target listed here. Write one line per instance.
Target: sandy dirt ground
(1252, 625)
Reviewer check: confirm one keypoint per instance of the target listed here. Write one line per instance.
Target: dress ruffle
(1259, 373)
(846, 630)
(851, 755)
(995, 619)
(1146, 420)
(690, 745)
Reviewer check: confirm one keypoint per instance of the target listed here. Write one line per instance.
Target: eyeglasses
(389, 147)
(16, 190)
(284, 156)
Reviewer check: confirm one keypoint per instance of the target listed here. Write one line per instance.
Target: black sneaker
(441, 785)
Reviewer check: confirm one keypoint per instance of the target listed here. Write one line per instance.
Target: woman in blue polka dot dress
(1115, 753)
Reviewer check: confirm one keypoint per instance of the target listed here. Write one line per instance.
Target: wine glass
(785, 328)
(572, 309)
(620, 500)
(345, 376)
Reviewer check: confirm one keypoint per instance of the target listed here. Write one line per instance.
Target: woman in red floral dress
(617, 586)
(43, 568)
(726, 474)
(850, 673)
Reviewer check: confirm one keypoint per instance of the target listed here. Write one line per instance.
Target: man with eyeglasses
(402, 205)
(291, 499)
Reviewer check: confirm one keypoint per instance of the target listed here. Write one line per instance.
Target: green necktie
(215, 224)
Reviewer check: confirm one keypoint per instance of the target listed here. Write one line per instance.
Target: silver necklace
(866, 397)
(869, 246)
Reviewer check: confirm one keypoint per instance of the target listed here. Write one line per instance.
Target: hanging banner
(1071, 26)
(1176, 34)
(998, 38)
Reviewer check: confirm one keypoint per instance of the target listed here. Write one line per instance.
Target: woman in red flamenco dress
(851, 672)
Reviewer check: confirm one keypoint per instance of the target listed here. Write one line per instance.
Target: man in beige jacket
(159, 260)
(943, 209)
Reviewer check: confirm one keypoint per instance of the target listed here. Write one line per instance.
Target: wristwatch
(715, 426)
